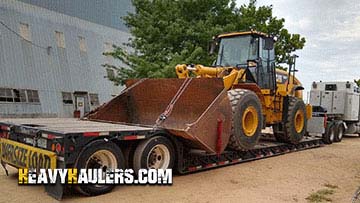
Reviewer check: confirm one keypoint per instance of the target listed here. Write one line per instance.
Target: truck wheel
(339, 132)
(99, 155)
(295, 127)
(154, 153)
(329, 135)
(246, 119)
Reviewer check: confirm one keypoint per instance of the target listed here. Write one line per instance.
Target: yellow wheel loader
(260, 95)
(223, 106)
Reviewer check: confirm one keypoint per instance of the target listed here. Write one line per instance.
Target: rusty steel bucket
(196, 109)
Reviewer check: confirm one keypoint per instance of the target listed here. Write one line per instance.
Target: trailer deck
(73, 125)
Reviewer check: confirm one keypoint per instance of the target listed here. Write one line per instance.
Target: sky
(332, 32)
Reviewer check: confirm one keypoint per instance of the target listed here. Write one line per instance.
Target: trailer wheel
(329, 135)
(155, 153)
(99, 155)
(339, 132)
(295, 127)
(246, 119)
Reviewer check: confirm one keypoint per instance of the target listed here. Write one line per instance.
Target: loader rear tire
(246, 119)
(294, 128)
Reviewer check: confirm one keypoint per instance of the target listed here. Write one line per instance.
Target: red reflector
(50, 136)
(130, 137)
(4, 127)
(192, 168)
(71, 148)
(219, 137)
(209, 165)
(91, 134)
(58, 148)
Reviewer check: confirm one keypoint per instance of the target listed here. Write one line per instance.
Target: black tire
(329, 135)
(128, 153)
(86, 156)
(161, 151)
(339, 132)
(289, 132)
(241, 101)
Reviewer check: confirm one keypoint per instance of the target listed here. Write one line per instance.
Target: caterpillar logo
(24, 156)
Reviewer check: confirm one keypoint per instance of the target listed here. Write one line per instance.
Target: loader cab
(249, 50)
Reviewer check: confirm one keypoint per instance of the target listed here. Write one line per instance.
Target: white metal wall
(25, 66)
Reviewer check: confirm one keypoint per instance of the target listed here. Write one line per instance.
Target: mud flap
(55, 190)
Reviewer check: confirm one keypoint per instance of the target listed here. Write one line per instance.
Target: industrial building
(51, 61)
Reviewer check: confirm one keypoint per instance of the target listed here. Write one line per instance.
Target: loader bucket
(196, 109)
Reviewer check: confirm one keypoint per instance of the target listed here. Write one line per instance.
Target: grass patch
(321, 196)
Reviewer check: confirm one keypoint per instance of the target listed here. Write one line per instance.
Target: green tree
(166, 33)
(357, 82)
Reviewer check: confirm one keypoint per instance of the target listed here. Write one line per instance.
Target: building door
(80, 105)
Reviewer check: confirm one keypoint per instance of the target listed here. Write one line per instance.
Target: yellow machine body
(272, 102)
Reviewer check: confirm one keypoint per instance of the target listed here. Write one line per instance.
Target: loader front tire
(294, 128)
(246, 119)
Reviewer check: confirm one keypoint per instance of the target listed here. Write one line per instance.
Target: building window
(67, 98)
(82, 44)
(19, 95)
(108, 47)
(94, 99)
(25, 31)
(110, 73)
(6, 95)
(60, 39)
(33, 96)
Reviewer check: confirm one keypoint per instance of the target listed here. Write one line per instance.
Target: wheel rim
(299, 121)
(158, 157)
(102, 159)
(250, 121)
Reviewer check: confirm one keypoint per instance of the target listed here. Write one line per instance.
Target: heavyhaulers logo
(95, 176)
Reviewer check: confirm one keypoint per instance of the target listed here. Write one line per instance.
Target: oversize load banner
(24, 156)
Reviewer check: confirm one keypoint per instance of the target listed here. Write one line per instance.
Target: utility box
(341, 99)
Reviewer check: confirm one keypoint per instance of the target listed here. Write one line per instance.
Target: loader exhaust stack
(188, 108)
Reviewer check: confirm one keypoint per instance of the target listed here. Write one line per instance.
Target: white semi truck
(335, 110)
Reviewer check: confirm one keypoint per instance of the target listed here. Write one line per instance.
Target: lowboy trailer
(185, 125)
(66, 140)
